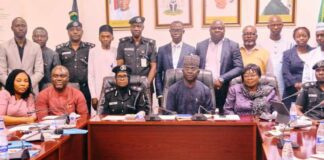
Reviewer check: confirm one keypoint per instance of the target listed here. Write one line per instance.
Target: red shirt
(51, 102)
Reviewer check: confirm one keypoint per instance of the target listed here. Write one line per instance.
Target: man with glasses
(221, 56)
(59, 98)
(312, 94)
(171, 55)
(188, 95)
(124, 99)
(253, 54)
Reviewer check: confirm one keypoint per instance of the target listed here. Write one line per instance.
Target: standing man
(171, 56)
(221, 56)
(253, 54)
(276, 45)
(74, 56)
(138, 52)
(50, 57)
(314, 55)
(21, 53)
(102, 59)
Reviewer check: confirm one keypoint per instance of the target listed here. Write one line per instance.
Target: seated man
(60, 99)
(187, 95)
(312, 95)
(124, 99)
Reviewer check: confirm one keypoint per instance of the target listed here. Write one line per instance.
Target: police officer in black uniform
(138, 52)
(312, 94)
(74, 56)
(124, 99)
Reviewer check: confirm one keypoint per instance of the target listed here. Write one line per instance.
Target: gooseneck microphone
(22, 154)
(199, 116)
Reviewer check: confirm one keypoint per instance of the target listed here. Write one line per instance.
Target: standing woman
(16, 100)
(293, 64)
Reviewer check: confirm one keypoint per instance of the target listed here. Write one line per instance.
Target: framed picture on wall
(283, 8)
(119, 12)
(167, 11)
(226, 10)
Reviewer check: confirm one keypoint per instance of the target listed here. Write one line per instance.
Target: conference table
(67, 147)
(304, 137)
(173, 139)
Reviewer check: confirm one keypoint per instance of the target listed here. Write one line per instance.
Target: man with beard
(60, 99)
(221, 56)
(187, 95)
(50, 57)
(253, 54)
(124, 99)
(276, 45)
(171, 55)
(21, 53)
(138, 52)
(74, 56)
(312, 94)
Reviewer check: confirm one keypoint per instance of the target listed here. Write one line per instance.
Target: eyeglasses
(122, 77)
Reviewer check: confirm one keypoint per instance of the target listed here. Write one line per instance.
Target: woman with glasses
(16, 99)
(249, 97)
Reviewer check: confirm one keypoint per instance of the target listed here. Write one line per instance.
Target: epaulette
(136, 88)
(308, 85)
(62, 45)
(124, 39)
(151, 41)
(110, 89)
(88, 44)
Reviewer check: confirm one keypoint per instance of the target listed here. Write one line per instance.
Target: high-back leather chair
(174, 75)
(265, 79)
(135, 80)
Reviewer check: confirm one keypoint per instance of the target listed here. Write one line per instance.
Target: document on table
(167, 117)
(227, 117)
(114, 118)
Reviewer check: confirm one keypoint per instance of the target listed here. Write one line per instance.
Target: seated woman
(16, 100)
(250, 97)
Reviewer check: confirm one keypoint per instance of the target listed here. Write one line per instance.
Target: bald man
(276, 45)
(21, 53)
(59, 98)
(221, 56)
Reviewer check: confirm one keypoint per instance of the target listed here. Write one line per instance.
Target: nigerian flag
(321, 13)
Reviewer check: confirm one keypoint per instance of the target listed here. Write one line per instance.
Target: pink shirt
(51, 102)
(9, 106)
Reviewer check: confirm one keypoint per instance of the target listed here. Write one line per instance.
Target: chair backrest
(135, 80)
(174, 75)
(265, 80)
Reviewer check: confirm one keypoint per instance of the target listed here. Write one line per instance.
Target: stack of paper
(226, 117)
(183, 117)
(167, 117)
(114, 118)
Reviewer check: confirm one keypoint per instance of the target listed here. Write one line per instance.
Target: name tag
(312, 95)
(143, 62)
(129, 49)
(66, 53)
(113, 103)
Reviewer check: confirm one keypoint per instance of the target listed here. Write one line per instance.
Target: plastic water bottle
(3, 141)
(73, 118)
(287, 151)
(293, 112)
(320, 138)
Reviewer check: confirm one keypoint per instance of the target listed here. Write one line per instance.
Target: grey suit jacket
(231, 59)
(165, 62)
(32, 61)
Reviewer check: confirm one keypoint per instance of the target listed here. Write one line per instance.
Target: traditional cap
(74, 24)
(191, 60)
(136, 19)
(319, 64)
(106, 28)
(320, 26)
(122, 68)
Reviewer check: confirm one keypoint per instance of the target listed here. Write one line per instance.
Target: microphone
(292, 95)
(294, 145)
(37, 135)
(198, 116)
(22, 154)
(168, 111)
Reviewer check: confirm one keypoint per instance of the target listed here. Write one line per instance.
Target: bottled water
(320, 138)
(3, 141)
(73, 118)
(287, 151)
(293, 113)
